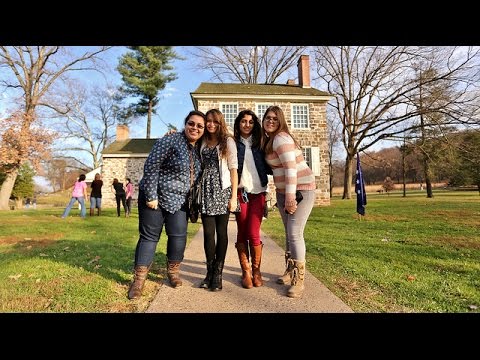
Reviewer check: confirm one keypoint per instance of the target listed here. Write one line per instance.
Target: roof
(257, 89)
(129, 147)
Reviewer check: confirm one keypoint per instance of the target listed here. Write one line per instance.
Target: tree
(87, 121)
(388, 184)
(20, 144)
(372, 88)
(24, 185)
(34, 71)
(247, 64)
(143, 74)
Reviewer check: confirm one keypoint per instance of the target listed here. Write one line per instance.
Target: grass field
(409, 254)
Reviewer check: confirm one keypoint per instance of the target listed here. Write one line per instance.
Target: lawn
(409, 254)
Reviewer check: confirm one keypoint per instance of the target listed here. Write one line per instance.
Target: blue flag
(360, 189)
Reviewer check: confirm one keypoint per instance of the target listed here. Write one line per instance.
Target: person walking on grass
(120, 196)
(162, 200)
(79, 194)
(96, 195)
(129, 196)
(291, 176)
(252, 187)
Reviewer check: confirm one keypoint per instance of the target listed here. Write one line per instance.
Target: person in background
(218, 196)
(79, 194)
(34, 202)
(96, 195)
(290, 173)
(27, 203)
(120, 196)
(162, 200)
(252, 187)
(129, 196)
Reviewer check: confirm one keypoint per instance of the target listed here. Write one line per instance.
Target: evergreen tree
(144, 75)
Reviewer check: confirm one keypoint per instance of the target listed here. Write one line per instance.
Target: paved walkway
(269, 298)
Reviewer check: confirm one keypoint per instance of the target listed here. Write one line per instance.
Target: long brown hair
(222, 133)
(267, 140)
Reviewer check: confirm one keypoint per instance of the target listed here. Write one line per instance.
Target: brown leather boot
(256, 251)
(285, 278)
(136, 287)
(99, 211)
(242, 250)
(91, 211)
(173, 271)
(298, 277)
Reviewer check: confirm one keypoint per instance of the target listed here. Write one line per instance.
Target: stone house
(305, 112)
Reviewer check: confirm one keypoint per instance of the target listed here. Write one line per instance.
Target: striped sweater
(290, 171)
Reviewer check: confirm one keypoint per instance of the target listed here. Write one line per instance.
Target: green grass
(408, 254)
(53, 265)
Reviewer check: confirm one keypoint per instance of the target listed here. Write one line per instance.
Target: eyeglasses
(271, 118)
(194, 124)
(214, 122)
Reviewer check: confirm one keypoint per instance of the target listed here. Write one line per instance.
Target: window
(312, 158)
(300, 117)
(230, 112)
(260, 110)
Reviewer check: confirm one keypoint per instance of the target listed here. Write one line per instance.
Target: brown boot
(256, 251)
(173, 271)
(242, 250)
(298, 276)
(99, 210)
(91, 212)
(285, 278)
(136, 287)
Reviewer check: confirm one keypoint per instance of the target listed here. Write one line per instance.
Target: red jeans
(250, 217)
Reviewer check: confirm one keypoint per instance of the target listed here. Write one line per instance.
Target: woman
(79, 194)
(96, 195)
(162, 200)
(120, 196)
(290, 174)
(129, 196)
(252, 187)
(219, 194)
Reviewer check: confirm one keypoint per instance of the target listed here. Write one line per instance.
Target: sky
(175, 101)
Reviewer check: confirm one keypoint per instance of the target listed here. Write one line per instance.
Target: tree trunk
(6, 189)
(428, 179)
(347, 180)
(149, 118)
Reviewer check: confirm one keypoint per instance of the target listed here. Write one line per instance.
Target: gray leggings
(295, 223)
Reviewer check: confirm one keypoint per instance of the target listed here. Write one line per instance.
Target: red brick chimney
(304, 71)
(123, 133)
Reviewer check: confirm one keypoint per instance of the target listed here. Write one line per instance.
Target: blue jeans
(95, 202)
(294, 224)
(81, 201)
(150, 225)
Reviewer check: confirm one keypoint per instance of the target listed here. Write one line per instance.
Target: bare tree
(87, 121)
(373, 85)
(34, 71)
(247, 64)
(333, 139)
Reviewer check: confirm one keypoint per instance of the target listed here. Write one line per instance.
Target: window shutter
(315, 151)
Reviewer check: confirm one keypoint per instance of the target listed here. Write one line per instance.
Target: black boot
(217, 275)
(207, 282)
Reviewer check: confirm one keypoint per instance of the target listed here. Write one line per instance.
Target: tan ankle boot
(173, 271)
(256, 252)
(298, 276)
(285, 278)
(136, 287)
(242, 250)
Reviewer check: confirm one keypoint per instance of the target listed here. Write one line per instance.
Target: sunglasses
(194, 124)
(244, 196)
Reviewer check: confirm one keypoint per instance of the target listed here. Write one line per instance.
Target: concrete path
(269, 298)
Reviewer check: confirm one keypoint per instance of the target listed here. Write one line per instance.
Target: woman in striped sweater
(295, 191)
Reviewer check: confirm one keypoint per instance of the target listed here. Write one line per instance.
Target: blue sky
(175, 101)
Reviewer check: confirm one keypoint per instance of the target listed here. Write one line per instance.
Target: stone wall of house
(120, 168)
(315, 136)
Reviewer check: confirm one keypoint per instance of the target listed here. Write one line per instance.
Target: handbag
(194, 195)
